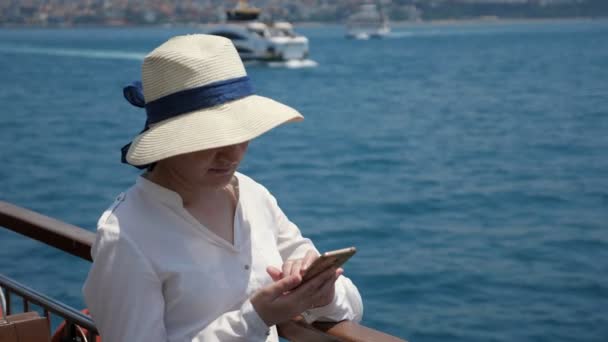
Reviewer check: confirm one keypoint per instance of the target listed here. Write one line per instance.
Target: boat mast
(383, 17)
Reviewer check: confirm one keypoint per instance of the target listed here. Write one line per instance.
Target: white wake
(84, 53)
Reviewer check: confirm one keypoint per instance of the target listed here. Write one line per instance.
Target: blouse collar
(159, 192)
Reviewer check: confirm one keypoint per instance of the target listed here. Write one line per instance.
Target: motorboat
(259, 41)
(368, 22)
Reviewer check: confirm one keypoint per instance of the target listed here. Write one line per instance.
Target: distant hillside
(462, 9)
(154, 12)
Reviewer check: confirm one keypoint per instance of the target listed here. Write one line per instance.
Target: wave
(138, 56)
(399, 34)
(84, 53)
(295, 64)
(290, 64)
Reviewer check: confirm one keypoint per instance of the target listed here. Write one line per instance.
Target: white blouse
(159, 275)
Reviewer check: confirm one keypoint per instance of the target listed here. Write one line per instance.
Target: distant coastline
(496, 20)
(73, 13)
(472, 21)
(306, 24)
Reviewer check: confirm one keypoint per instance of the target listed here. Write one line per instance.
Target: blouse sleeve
(347, 303)
(290, 242)
(123, 293)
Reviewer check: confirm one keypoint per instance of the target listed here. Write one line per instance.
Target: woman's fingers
(336, 274)
(278, 288)
(287, 266)
(274, 273)
(305, 295)
(288, 297)
(296, 266)
(308, 288)
(269, 302)
(310, 257)
(325, 294)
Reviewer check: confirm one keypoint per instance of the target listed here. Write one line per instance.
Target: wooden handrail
(351, 331)
(78, 241)
(66, 237)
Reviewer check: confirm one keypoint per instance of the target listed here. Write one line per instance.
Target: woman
(196, 251)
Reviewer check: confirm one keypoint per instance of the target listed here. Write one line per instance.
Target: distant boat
(259, 41)
(369, 22)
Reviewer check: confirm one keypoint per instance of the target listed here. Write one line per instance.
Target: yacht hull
(259, 43)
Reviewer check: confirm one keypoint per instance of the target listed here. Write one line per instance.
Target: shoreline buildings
(66, 13)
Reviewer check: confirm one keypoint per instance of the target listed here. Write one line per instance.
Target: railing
(73, 317)
(77, 241)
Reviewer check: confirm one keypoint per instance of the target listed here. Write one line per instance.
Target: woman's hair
(150, 167)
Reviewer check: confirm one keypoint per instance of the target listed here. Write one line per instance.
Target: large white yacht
(256, 40)
(369, 22)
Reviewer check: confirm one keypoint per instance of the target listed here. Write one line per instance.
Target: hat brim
(227, 124)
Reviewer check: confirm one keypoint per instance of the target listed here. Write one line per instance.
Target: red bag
(62, 334)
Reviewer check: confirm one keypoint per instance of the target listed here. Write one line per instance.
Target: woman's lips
(221, 170)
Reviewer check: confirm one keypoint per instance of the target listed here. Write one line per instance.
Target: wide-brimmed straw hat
(197, 96)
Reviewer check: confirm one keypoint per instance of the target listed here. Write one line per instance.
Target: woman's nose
(232, 152)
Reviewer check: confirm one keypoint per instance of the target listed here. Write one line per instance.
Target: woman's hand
(288, 297)
(299, 267)
(296, 266)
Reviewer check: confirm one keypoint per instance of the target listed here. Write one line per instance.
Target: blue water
(468, 164)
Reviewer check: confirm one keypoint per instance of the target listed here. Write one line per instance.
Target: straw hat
(197, 96)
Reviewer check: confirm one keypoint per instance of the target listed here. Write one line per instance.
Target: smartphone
(329, 259)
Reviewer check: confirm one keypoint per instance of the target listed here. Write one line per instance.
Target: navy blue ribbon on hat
(185, 101)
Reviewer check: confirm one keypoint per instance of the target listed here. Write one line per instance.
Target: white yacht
(258, 41)
(368, 22)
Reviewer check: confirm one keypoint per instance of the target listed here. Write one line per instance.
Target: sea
(468, 163)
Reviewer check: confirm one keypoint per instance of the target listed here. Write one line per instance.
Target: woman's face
(211, 168)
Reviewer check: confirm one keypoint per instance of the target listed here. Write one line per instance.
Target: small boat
(368, 22)
(259, 41)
